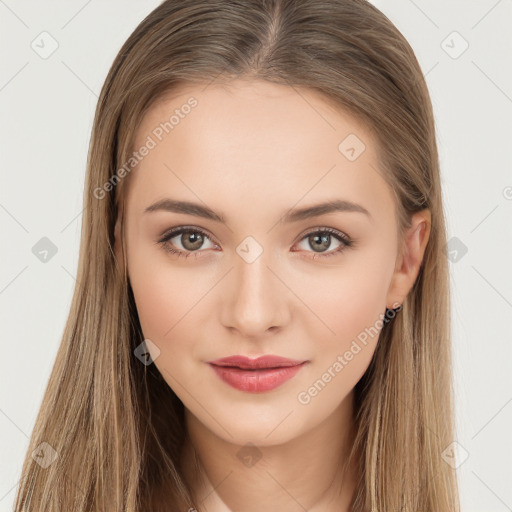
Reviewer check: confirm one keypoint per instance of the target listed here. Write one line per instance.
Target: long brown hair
(114, 423)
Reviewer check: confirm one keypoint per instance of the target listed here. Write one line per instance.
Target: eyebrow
(293, 215)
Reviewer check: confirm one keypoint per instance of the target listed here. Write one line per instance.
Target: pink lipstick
(256, 375)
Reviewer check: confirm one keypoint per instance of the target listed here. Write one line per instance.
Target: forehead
(250, 142)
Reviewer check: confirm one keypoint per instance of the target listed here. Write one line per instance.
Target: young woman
(261, 316)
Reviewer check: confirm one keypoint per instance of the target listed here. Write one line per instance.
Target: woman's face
(256, 273)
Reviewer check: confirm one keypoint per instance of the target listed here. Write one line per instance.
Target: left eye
(322, 238)
(194, 239)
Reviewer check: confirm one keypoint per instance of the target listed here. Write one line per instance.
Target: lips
(246, 363)
(256, 375)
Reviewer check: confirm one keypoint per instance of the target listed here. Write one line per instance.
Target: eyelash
(345, 241)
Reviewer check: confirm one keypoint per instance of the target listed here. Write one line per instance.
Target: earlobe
(410, 259)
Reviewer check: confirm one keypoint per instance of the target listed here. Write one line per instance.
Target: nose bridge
(256, 302)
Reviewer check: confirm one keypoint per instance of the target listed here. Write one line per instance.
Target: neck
(311, 472)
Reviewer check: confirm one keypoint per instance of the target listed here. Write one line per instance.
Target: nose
(256, 299)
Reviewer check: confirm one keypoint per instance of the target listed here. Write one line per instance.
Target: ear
(409, 260)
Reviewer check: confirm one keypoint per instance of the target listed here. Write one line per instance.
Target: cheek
(349, 299)
(158, 307)
(156, 301)
(350, 304)
(168, 298)
(164, 297)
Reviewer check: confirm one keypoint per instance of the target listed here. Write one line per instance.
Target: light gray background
(46, 112)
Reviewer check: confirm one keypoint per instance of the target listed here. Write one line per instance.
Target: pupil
(321, 239)
(193, 241)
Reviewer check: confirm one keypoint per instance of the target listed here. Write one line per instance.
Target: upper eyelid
(171, 233)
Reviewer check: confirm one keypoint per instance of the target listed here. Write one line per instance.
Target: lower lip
(256, 381)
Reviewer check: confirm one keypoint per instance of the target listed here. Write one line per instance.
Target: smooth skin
(251, 151)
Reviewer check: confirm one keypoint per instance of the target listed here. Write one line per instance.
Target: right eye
(190, 238)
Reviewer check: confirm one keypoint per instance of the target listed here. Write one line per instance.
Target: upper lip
(268, 361)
